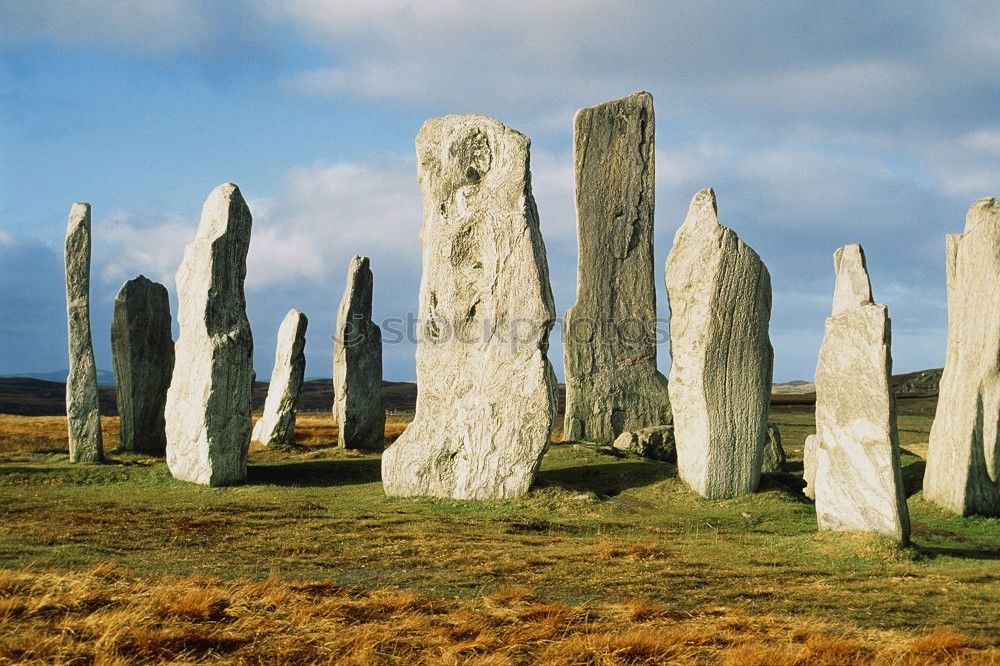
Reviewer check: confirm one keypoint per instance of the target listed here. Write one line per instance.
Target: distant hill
(37, 397)
(104, 377)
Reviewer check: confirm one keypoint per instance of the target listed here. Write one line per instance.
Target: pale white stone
(142, 350)
(858, 481)
(83, 414)
(208, 403)
(276, 425)
(357, 365)
(963, 457)
(809, 465)
(486, 395)
(612, 384)
(720, 378)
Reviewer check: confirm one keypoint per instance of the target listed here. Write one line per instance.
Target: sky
(817, 123)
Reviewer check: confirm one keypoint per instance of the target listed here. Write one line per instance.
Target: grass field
(609, 560)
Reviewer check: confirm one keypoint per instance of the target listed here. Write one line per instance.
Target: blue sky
(817, 123)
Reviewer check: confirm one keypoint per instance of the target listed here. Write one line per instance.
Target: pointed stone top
(703, 210)
(358, 262)
(223, 203)
(294, 313)
(981, 211)
(853, 288)
(78, 214)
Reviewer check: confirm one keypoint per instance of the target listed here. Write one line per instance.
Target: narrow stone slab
(858, 481)
(357, 365)
(486, 395)
(142, 350)
(720, 378)
(83, 415)
(963, 457)
(208, 404)
(612, 384)
(809, 465)
(774, 458)
(276, 426)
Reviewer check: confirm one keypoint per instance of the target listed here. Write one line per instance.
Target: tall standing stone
(142, 351)
(720, 378)
(486, 395)
(858, 482)
(963, 457)
(276, 426)
(208, 404)
(612, 384)
(357, 365)
(82, 410)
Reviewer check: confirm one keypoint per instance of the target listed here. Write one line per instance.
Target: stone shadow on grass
(606, 480)
(317, 473)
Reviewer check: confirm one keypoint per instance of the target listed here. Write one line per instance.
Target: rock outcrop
(487, 392)
(83, 415)
(612, 384)
(276, 426)
(774, 458)
(656, 442)
(142, 350)
(963, 456)
(357, 365)
(208, 403)
(720, 380)
(858, 482)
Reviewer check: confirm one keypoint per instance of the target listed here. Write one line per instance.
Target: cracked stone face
(208, 403)
(963, 455)
(720, 377)
(612, 384)
(486, 395)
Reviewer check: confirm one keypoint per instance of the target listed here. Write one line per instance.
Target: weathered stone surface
(963, 456)
(656, 442)
(208, 404)
(357, 365)
(773, 459)
(487, 391)
(86, 443)
(858, 483)
(142, 350)
(720, 379)
(612, 384)
(276, 425)
(809, 465)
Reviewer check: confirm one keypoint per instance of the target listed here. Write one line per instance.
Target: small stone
(86, 444)
(809, 465)
(208, 403)
(142, 351)
(357, 365)
(773, 459)
(487, 392)
(858, 484)
(963, 455)
(276, 426)
(720, 379)
(656, 442)
(612, 384)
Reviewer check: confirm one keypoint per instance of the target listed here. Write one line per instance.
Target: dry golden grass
(109, 616)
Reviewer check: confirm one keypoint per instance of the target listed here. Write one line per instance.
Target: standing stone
(487, 393)
(858, 482)
(276, 426)
(963, 457)
(809, 465)
(82, 410)
(357, 365)
(612, 384)
(774, 458)
(208, 404)
(142, 351)
(720, 380)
